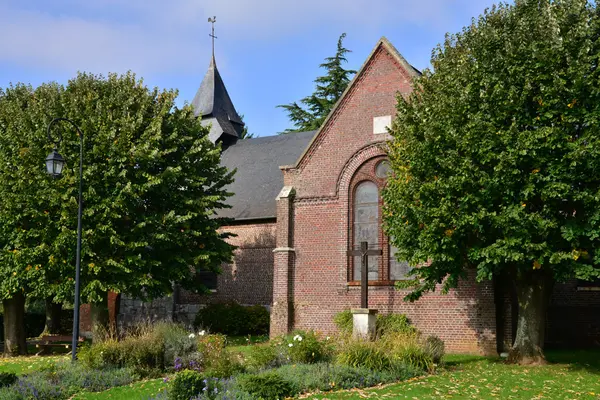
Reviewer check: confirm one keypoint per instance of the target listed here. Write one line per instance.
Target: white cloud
(154, 36)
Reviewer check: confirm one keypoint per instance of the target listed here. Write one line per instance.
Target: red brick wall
(249, 279)
(464, 319)
(85, 319)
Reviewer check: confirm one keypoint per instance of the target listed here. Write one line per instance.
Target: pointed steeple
(213, 104)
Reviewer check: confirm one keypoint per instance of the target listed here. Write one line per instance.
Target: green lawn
(23, 365)
(572, 375)
(138, 390)
(575, 375)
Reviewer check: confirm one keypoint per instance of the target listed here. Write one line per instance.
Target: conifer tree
(313, 110)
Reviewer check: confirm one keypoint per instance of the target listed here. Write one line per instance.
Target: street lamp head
(54, 164)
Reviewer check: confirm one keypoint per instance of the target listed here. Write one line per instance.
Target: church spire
(213, 104)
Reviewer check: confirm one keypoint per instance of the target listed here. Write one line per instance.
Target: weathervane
(212, 35)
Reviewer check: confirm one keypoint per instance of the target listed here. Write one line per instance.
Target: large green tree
(152, 183)
(496, 156)
(330, 87)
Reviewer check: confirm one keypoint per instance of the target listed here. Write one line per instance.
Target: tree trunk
(100, 318)
(533, 293)
(15, 342)
(53, 314)
(115, 322)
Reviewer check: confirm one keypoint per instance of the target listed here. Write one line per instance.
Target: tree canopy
(495, 158)
(329, 89)
(152, 186)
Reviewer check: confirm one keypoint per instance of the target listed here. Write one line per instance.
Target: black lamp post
(54, 165)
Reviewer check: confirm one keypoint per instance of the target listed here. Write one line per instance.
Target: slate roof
(213, 104)
(258, 179)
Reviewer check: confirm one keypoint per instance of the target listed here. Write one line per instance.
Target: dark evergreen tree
(315, 108)
(245, 134)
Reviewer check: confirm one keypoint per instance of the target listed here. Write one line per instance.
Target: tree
(495, 157)
(245, 134)
(152, 183)
(329, 89)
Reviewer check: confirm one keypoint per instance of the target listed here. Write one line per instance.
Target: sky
(267, 51)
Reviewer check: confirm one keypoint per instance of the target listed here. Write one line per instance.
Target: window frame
(367, 173)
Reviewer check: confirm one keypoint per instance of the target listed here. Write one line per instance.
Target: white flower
(202, 333)
(290, 345)
(299, 338)
(327, 338)
(192, 336)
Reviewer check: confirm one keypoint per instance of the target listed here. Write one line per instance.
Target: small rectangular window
(207, 278)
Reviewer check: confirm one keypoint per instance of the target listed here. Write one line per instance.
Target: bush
(258, 320)
(75, 376)
(434, 346)
(307, 347)
(223, 365)
(233, 319)
(216, 360)
(393, 323)
(409, 349)
(325, 377)
(186, 384)
(386, 323)
(344, 322)
(365, 354)
(269, 385)
(266, 355)
(147, 349)
(177, 341)
(7, 378)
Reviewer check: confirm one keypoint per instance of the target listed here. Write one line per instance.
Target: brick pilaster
(282, 307)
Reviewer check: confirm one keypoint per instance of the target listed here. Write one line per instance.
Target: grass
(137, 390)
(25, 364)
(575, 375)
(571, 375)
(246, 340)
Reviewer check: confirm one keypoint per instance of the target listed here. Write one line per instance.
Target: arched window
(366, 225)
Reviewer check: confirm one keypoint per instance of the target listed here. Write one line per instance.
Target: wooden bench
(48, 341)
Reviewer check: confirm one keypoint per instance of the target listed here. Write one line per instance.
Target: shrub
(408, 348)
(233, 319)
(148, 349)
(186, 384)
(224, 365)
(36, 386)
(258, 320)
(216, 360)
(177, 341)
(371, 355)
(223, 389)
(269, 385)
(7, 378)
(9, 394)
(307, 347)
(79, 377)
(266, 355)
(344, 322)
(393, 323)
(325, 376)
(386, 323)
(434, 346)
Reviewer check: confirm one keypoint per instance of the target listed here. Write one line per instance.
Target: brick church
(302, 200)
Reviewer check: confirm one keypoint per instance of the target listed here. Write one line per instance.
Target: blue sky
(268, 51)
